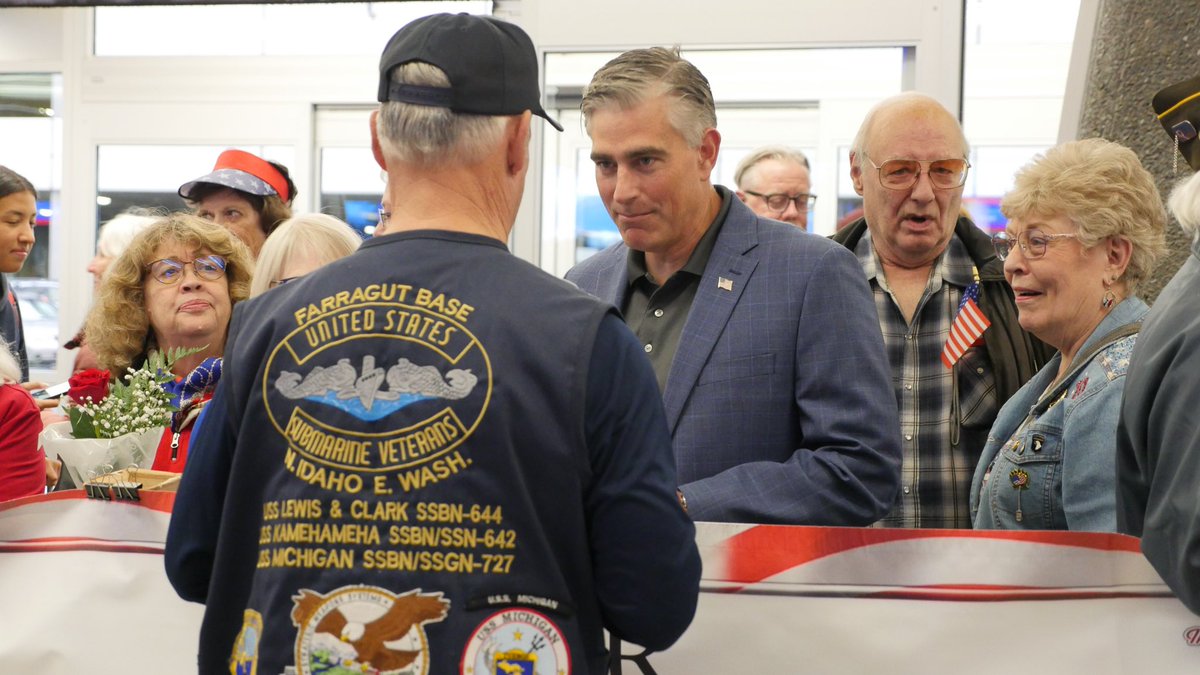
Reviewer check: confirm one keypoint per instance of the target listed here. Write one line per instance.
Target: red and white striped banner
(860, 600)
(85, 591)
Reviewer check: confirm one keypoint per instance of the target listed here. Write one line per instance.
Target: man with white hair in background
(774, 182)
(430, 455)
(925, 262)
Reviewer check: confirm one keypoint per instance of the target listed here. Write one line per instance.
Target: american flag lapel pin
(724, 284)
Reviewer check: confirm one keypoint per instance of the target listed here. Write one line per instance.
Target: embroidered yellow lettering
(417, 325)
(431, 438)
(420, 561)
(436, 512)
(438, 302)
(300, 508)
(437, 470)
(326, 479)
(433, 537)
(369, 293)
(339, 325)
(325, 533)
(311, 558)
(330, 447)
(394, 511)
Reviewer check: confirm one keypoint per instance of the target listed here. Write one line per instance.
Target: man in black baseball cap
(491, 65)
(446, 459)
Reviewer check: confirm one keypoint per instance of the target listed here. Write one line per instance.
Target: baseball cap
(491, 64)
(1178, 110)
(242, 171)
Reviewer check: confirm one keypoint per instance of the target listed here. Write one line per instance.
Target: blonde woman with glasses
(1085, 228)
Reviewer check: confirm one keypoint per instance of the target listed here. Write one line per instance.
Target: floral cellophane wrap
(87, 458)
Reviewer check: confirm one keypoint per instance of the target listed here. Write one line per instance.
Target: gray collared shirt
(656, 313)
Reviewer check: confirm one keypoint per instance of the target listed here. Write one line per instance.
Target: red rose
(91, 382)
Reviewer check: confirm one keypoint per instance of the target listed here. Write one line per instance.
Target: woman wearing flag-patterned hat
(246, 194)
(1085, 228)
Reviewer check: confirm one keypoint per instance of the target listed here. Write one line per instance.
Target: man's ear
(375, 148)
(740, 195)
(710, 147)
(517, 149)
(856, 173)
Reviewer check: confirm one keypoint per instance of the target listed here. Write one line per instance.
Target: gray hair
(917, 104)
(775, 152)
(318, 235)
(118, 231)
(1184, 204)
(431, 135)
(641, 74)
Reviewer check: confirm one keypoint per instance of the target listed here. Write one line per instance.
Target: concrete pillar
(1139, 47)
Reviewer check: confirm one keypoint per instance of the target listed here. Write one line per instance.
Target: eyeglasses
(170, 270)
(280, 282)
(1033, 243)
(901, 174)
(779, 201)
(384, 216)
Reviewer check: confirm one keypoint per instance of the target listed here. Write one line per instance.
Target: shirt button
(908, 387)
(908, 437)
(649, 348)
(658, 312)
(979, 370)
(907, 490)
(908, 337)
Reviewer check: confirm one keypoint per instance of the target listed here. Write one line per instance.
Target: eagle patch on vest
(365, 629)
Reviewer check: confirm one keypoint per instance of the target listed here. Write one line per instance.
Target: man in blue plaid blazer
(764, 338)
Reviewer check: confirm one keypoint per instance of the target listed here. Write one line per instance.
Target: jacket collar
(977, 243)
(732, 263)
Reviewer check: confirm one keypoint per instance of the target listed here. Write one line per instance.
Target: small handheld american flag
(967, 328)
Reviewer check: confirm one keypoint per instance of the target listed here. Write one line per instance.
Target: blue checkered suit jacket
(780, 397)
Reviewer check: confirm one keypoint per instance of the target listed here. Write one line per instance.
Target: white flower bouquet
(113, 425)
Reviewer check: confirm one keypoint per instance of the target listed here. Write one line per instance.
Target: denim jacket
(1057, 470)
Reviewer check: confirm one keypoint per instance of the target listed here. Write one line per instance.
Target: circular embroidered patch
(516, 641)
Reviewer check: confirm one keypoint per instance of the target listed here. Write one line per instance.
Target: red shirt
(22, 462)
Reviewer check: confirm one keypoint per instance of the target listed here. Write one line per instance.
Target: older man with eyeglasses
(774, 182)
(934, 274)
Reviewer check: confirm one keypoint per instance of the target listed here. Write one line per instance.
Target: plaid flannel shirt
(938, 459)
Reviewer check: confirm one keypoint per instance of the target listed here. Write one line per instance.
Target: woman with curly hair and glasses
(173, 287)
